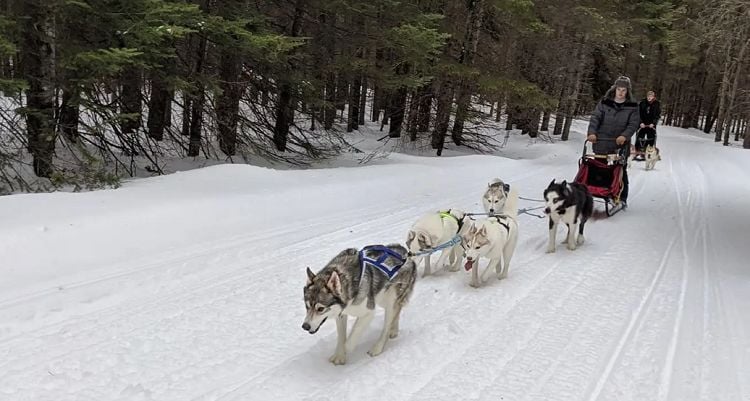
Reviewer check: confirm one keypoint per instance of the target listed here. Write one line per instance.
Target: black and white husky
(351, 284)
(572, 204)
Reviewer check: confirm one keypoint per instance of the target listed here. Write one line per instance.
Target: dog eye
(321, 309)
(477, 247)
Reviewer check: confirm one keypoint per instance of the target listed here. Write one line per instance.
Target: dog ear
(410, 236)
(482, 231)
(310, 276)
(334, 284)
(551, 183)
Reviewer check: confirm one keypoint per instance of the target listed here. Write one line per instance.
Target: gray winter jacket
(610, 120)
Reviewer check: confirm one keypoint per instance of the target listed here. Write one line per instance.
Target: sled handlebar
(622, 151)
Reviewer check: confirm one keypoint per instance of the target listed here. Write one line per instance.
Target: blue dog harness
(381, 262)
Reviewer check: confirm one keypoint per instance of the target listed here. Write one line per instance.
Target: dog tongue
(468, 265)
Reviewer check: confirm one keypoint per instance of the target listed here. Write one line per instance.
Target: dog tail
(511, 204)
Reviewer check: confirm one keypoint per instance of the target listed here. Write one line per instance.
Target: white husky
(495, 238)
(495, 196)
(434, 229)
(652, 156)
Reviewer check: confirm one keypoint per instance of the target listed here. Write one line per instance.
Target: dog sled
(602, 175)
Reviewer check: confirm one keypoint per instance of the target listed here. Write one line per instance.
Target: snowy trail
(651, 307)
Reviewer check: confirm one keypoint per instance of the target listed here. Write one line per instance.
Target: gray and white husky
(652, 156)
(434, 229)
(494, 238)
(347, 286)
(572, 204)
(495, 196)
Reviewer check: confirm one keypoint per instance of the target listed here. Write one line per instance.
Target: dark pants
(625, 184)
(644, 137)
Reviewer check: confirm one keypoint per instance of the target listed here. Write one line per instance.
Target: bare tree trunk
(735, 84)
(37, 53)
(411, 125)
(465, 87)
(228, 101)
(157, 108)
(572, 101)
(355, 90)
(377, 94)
(69, 112)
(396, 111)
(723, 93)
(285, 107)
(443, 115)
(511, 114)
(425, 107)
(342, 92)
(710, 117)
(363, 101)
(545, 120)
(463, 100)
(130, 104)
(196, 122)
(186, 100)
(329, 112)
(198, 96)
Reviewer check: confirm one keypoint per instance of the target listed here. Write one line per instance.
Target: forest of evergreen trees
(88, 87)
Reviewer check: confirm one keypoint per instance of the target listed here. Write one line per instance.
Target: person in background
(650, 111)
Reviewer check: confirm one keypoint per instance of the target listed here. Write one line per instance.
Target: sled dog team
(354, 281)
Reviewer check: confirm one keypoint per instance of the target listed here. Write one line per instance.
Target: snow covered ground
(189, 286)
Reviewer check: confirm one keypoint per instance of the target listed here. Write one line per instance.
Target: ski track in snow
(639, 312)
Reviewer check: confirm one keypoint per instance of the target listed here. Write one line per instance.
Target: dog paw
(338, 359)
(580, 240)
(474, 284)
(572, 246)
(376, 350)
(393, 334)
(551, 250)
(454, 268)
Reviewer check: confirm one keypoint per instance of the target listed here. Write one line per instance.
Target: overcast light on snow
(189, 286)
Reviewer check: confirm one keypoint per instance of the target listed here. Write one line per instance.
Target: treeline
(97, 89)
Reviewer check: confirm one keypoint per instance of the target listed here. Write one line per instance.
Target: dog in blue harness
(352, 284)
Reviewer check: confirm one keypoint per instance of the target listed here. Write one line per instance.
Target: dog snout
(492, 210)
(547, 210)
(306, 326)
